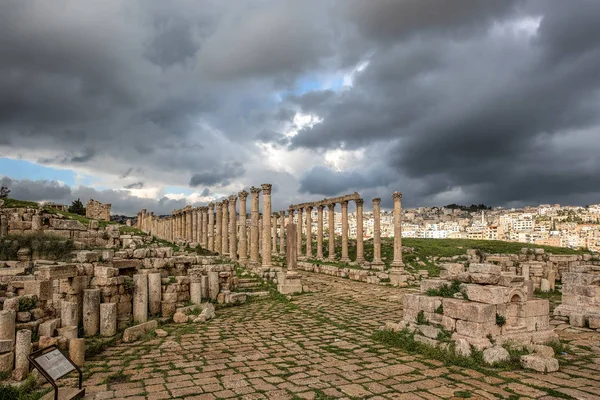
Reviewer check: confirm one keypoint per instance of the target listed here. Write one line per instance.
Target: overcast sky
(152, 104)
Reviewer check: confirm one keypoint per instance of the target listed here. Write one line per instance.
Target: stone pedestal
(213, 285)
(196, 292)
(91, 312)
(22, 350)
(154, 293)
(68, 332)
(289, 282)
(108, 319)
(140, 298)
(69, 314)
(77, 351)
(291, 248)
(7, 325)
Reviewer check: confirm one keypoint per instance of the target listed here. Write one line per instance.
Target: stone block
(135, 332)
(127, 263)
(469, 311)
(495, 355)
(88, 256)
(427, 284)
(411, 301)
(476, 329)
(6, 345)
(7, 361)
(539, 363)
(594, 321)
(67, 224)
(577, 320)
(102, 271)
(63, 271)
(535, 308)
(487, 294)
(429, 303)
(41, 289)
(48, 328)
(477, 268)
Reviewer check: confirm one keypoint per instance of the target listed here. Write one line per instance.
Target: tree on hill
(4, 192)
(77, 207)
(471, 208)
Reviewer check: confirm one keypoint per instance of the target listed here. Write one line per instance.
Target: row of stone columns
(397, 262)
(216, 228)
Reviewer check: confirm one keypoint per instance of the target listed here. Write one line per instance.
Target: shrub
(445, 290)
(500, 320)
(421, 318)
(26, 304)
(45, 244)
(77, 207)
(4, 192)
(128, 285)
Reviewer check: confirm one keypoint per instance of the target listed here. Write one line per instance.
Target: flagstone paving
(318, 346)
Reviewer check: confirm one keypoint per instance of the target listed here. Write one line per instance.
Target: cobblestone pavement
(318, 346)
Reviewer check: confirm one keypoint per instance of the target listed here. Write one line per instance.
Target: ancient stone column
(194, 225)
(200, 218)
(299, 231)
(344, 257)
(309, 231)
(154, 293)
(274, 233)
(69, 314)
(331, 217)
(360, 257)
(205, 227)
(204, 287)
(8, 319)
(36, 223)
(190, 225)
(254, 227)
(91, 312)
(377, 234)
(243, 195)
(232, 227)
(108, 319)
(211, 226)
(219, 227)
(266, 255)
(397, 263)
(213, 284)
(195, 290)
(225, 229)
(320, 232)
(77, 351)
(140, 298)
(260, 235)
(22, 350)
(282, 232)
(291, 248)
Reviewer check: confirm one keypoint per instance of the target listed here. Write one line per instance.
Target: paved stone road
(318, 346)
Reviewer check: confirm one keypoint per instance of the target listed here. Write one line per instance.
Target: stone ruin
(96, 210)
(131, 281)
(581, 296)
(481, 307)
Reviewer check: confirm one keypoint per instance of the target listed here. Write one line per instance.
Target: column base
(378, 264)
(345, 259)
(397, 264)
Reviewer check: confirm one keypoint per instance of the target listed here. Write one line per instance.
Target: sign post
(53, 365)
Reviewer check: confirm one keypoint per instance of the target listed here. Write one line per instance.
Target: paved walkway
(318, 346)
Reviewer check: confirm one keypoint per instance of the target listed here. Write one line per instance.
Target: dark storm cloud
(205, 192)
(36, 190)
(218, 176)
(453, 100)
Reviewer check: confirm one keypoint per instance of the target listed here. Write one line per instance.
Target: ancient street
(317, 346)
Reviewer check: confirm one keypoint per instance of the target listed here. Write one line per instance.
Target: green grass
(12, 203)
(28, 390)
(131, 230)
(85, 221)
(445, 290)
(44, 244)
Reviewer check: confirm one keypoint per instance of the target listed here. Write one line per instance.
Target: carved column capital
(243, 195)
(397, 195)
(377, 200)
(266, 187)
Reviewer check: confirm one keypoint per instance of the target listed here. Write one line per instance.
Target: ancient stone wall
(96, 210)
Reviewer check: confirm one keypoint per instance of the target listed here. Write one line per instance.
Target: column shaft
(376, 233)
(211, 227)
(397, 230)
(309, 231)
(266, 256)
(232, 227)
(282, 232)
(225, 229)
(360, 257)
(243, 195)
(219, 227)
(320, 232)
(254, 227)
(299, 232)
(331, 217)
(274, 233)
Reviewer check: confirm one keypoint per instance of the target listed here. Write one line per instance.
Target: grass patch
(97, 344)
(118, 377)
(13, 203)
(26, 304)
(131, 230)
(445, 290)
(28, 390)
(43, 244)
